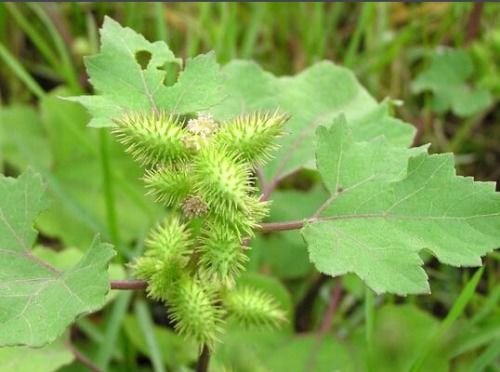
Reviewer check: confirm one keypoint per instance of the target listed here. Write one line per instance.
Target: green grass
(455, 312)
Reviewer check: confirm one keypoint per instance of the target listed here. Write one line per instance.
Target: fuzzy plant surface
(202, 172)
(213, 147)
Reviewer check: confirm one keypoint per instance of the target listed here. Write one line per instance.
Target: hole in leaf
(143, 57)
(172, 70)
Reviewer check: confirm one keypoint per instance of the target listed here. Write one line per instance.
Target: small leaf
(46, 359)
(37, 301)
(446, 78)
(382, 212)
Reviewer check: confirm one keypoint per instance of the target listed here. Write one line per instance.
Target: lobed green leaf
(38, 301)
(387, 204)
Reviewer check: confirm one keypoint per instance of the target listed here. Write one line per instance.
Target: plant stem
(335, 296)
(474, 22)
(369, 324)
(281, 226)
(303, 312)
(203, 360)
(113, 326)
(326, 322)
(369, 316)
(265, 227)
(146, 325)
(261, 179)
(81, 357)
(128, 284)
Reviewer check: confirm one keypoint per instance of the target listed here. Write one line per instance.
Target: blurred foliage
(446, 77)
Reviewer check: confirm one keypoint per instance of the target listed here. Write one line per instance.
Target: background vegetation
(441, 60)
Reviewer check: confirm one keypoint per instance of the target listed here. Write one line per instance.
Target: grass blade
(455, 312)
(109, 192)
(252, 32)
(67, 65)
(488, 306)
(489, 355)
(114, 324)
(160, 27)
(363, 22)
(35, 37)
(20, 72)
(475, 340)
(146, 324)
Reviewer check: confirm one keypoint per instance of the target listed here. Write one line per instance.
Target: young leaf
(129, 74)
(380, 215)
(447, 78)
(37, 301)
(47, 359)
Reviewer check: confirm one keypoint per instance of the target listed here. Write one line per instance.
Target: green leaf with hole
(38, 301)
(129, 73)
(387, 204)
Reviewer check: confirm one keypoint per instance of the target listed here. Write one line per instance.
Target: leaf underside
(37, 301)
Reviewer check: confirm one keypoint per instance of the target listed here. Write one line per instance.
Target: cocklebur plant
(200, 141)
(202, 171)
